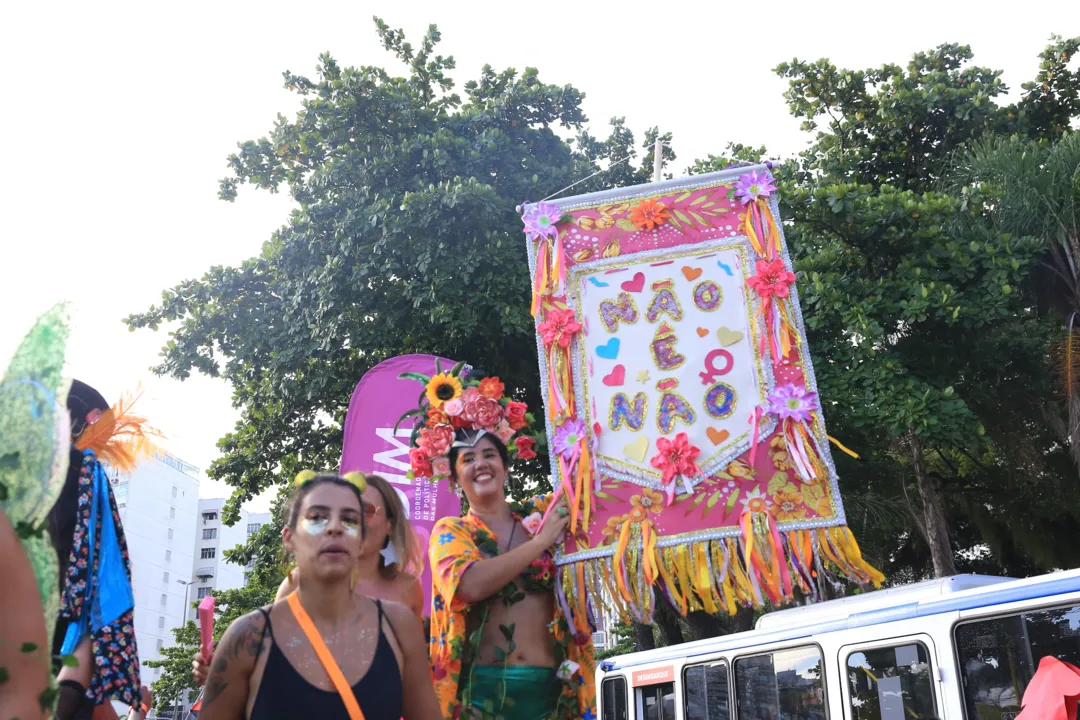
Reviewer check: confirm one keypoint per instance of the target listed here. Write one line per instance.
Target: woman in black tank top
(279, 662)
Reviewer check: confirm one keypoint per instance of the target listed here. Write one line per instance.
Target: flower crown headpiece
(456, 410)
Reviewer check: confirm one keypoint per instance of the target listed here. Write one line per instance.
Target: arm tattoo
(245, 637)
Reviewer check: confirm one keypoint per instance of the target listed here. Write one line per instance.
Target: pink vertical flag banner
(371, 445)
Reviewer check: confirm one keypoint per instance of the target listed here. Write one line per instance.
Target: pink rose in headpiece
(515, 414)
(489, 414)
(441, 466)
(453, 407)
(504, 432)
(470, 405)
(437, 440)
(419, 462)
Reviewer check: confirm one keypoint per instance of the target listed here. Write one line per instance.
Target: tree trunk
(703, 625)
(668, 621)
(937, 529)
(643, 637)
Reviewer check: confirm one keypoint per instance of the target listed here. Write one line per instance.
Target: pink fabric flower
(751, 186)
(441, 466)
(772, 278)
(532, 523)
(470, 405)
(559, 327)
(792, 401)
(675, 457)
(504, 432)
(453, 407)
(437, 440)
(489, 414)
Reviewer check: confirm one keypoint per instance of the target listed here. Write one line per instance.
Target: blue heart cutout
(609, 350)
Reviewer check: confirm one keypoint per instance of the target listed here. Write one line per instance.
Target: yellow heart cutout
(637, 449)
(728, 337)
(717, 436)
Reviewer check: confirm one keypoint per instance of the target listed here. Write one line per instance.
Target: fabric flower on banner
(772, 279)
(676, 458)
(794, 407)
(754, 185)
(559, 327)
(756, 502)
(540, 220)
(443, 388)
(567, 437)
(792, 401)
(649, 215)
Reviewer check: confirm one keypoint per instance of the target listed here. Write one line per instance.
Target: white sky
(118, 118)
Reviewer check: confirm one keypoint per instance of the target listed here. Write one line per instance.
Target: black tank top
(285, 694)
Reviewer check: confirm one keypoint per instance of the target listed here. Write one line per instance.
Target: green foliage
(624, 641)
(405, 240)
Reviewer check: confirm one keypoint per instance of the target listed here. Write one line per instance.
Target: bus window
(999, 656)
(891, 683)
(706, 692)
(657, 702)
(784, 685)
(613, 698)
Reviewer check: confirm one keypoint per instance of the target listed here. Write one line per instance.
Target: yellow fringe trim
(712, 575)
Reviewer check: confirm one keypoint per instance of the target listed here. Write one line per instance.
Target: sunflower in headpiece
(443, 388)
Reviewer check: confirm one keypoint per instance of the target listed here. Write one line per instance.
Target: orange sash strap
(327, 660)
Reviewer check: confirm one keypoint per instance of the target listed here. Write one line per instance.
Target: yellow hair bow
(358, 479)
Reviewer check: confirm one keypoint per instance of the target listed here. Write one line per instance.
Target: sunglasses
(370, 511)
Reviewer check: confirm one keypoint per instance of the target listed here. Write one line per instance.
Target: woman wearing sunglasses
(325, 651)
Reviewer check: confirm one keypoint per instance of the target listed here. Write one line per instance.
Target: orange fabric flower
(649, 215)
(492, 388)
(788, 505)
(435, 416)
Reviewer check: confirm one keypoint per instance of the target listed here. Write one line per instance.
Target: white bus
(959, 648)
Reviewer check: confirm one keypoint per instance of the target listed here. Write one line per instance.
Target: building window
(165, 577)
(786, 683)
(174, 491)
(204, 591)
(161, 622)
(170, 533)
(247, 579)
(164, 600)
(160, 643)
(172, 513)
(208, 553)
(206, 516)
(253, 528)
(209, 533)
(168, 556)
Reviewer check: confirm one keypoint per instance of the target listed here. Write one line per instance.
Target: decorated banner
(682, 413)
(371, 445)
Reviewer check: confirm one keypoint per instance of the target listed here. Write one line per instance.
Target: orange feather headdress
(119, 437)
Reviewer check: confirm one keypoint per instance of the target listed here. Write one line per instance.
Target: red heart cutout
(596, 428)
(635, 285)
(616, 377)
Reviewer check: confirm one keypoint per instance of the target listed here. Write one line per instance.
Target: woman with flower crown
(500, 644)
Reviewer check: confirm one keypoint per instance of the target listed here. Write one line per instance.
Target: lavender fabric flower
(567, 437)
(752, 185)
(792, 401)
(540, 220)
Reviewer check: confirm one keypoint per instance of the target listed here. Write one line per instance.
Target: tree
(405, 239)
(624, 641)
(920, 319)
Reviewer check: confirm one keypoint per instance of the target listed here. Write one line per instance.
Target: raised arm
(226, 694)
(419, 702)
